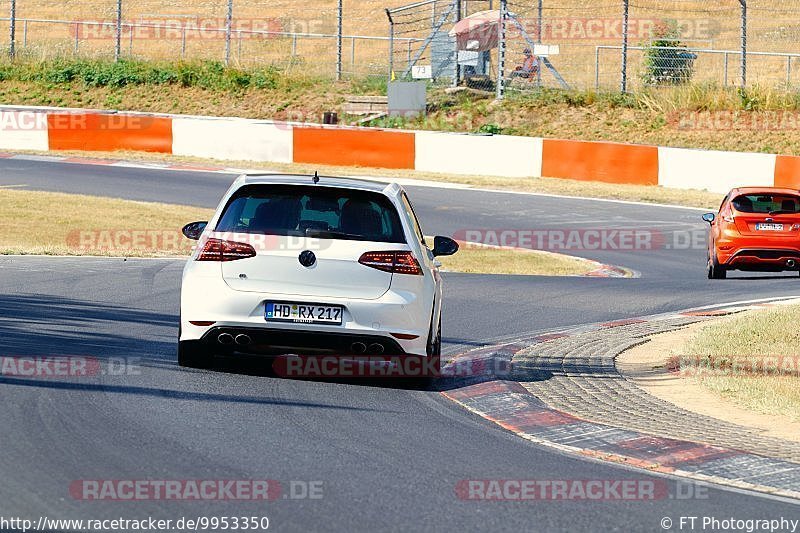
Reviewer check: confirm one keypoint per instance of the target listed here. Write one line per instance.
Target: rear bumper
(403, 313)
(273, 341)
(762, 259)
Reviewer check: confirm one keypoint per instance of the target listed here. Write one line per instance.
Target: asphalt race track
(388, 455)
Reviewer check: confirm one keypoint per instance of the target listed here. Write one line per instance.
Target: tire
(716, 270)
(192, 354)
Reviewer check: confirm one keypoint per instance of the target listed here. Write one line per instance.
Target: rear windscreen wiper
(331, 234)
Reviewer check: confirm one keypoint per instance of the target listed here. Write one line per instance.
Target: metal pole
(339, 32)
(77, 36)
(456, 66)
(539, 23)
(625, 12)
(391, 44)
(501, 51)
(12, 43)
(118, 33)
(788, 71)
(183, 42)
(744, 44)
(353, 53)
(25, 34)
(539, 40)
(228, 31)
(596, 68)
(726, 69)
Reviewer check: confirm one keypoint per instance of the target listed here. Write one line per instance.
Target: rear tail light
(219, 250)
(394, 262)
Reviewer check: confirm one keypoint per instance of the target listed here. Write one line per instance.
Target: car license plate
(769, 227)
(303, 313)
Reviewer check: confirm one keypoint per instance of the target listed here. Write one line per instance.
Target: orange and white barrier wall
(41, 129)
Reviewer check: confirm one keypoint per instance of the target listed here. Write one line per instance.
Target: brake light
(219, 250)
(394, 262)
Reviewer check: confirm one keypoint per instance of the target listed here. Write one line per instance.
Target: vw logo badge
(308, 259)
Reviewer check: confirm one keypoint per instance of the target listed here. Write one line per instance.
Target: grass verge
(474, 259)
(45, 223)
(751, 358)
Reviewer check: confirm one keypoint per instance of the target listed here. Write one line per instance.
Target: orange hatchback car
(757, 229)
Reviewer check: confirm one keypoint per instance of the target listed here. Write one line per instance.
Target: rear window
(767, 203)
(322, 212)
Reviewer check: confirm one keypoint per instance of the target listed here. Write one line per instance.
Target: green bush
(212, 75)
(666, 59)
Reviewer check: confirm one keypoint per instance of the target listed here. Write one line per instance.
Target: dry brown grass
(44, 223)
(751, 358)
(472, 259)
(69, 224)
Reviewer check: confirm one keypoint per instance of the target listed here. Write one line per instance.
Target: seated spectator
(529, 68)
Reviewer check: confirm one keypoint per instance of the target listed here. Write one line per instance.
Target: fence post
(183, 42)
(339, 32)
(456, 66)
(228, 31)
(501, 51)
(118, 32)
(539, 22)
(391, 44)
(12, 43)
(625, 13)
(539, 40)
(744, 44)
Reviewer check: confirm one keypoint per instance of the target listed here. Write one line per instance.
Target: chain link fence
(608, 45)
(633, 44)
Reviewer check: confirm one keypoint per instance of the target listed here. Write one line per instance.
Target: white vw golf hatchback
(306, 265)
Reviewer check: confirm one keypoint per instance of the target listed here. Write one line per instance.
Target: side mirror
(443, 246)
(194, 230)
(709, 217)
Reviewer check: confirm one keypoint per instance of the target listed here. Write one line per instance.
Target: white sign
(422, 72)
(468, 59)
(545, 50)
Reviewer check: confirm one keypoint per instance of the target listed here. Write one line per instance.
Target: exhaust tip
(376, 349)
(358, 347)
(791, 263)
(225, 338)
(243, 340)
